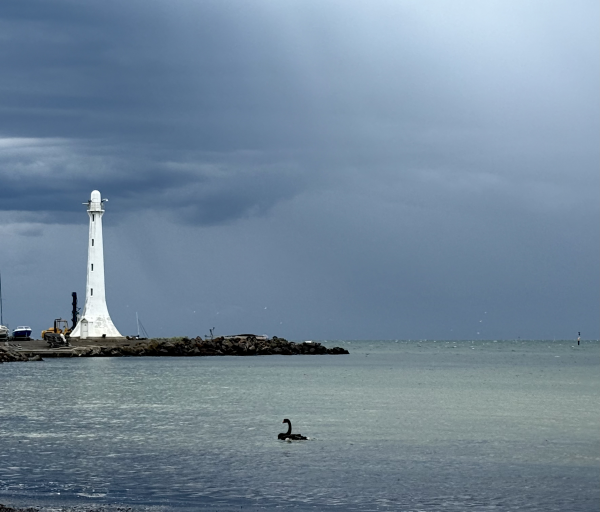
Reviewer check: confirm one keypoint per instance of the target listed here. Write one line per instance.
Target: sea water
(407, 426)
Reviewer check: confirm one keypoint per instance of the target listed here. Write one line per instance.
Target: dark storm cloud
(49, 176)
(129, 71)
(131, 112)
(412, 161)
(148, 94)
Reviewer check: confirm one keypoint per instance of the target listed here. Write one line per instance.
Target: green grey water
(508, 425)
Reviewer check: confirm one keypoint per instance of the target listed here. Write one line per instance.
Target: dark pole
(578, 338)
(74, 311)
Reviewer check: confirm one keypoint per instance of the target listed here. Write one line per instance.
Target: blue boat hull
(22, 333)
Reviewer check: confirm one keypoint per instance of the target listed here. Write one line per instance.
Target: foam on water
(394, 426)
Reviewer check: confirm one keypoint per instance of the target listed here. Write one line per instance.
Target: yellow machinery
(60, 327)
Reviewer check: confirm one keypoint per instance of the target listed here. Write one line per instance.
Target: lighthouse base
(96, 328)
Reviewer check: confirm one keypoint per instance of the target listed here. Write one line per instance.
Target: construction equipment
(59, 333)
(56, 340)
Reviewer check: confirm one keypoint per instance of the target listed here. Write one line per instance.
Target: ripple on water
(410, 427)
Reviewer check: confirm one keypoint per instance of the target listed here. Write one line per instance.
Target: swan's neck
(289, 428)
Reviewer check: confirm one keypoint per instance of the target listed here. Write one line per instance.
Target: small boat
(4, 331)
(138, 336)
(23, 332)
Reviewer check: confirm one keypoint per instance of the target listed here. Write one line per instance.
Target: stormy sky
(307, 169)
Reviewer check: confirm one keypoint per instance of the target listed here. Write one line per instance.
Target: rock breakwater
(8, 355)
(230, 346)
(242, 345)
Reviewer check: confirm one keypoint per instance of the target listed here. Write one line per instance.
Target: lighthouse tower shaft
(95, 321)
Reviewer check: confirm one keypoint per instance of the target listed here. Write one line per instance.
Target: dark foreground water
(429, 426)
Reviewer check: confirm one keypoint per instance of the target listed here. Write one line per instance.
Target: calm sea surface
(407, 426)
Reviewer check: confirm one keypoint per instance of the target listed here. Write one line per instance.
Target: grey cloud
(119, 74)
(53, 176)
(393, 163)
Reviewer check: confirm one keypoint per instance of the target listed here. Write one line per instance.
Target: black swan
(288, 435)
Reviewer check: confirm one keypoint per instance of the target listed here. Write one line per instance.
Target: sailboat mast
(138, 323)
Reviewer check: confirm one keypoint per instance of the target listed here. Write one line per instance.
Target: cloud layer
(390, 169)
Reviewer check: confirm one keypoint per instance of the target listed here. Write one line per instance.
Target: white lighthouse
(95, 321)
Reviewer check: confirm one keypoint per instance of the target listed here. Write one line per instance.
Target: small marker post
(578, 338)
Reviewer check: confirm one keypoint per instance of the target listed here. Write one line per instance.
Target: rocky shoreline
(6, 508)
(78, 508)
(8, 355)
(222, 346)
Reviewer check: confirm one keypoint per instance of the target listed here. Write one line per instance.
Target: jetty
(247, 345)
